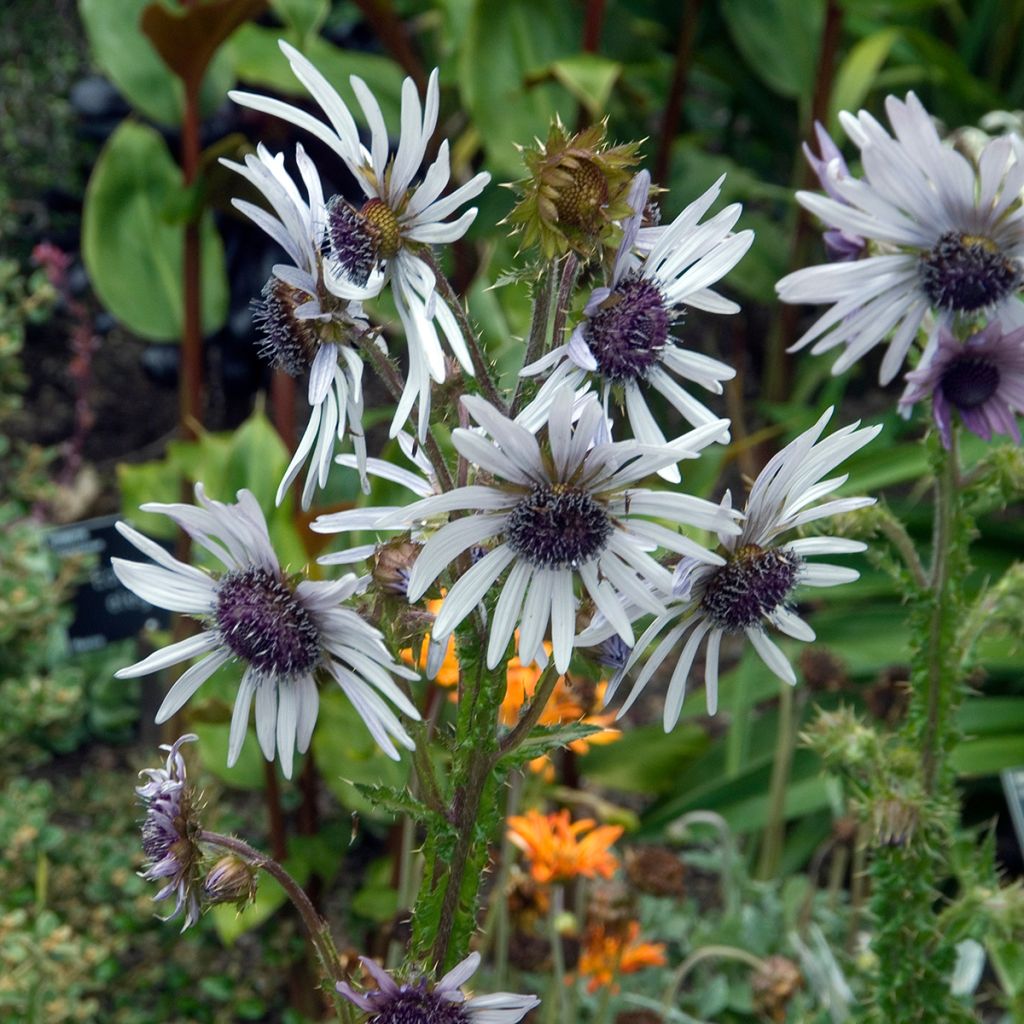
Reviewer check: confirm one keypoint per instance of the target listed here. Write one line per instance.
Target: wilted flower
(284, 632)
(559, 849)
(981, 378)
(382, 240)
(576, 190)
(774, 984)
(443, 1003)
(303, 326)
(946, 237)
(170, 832)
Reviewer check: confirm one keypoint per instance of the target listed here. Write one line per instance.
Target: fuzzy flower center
(751, 585)
(557, 527)
(969, 381)
(286, 342)
(361, 238)
(262, 622)
(418, 1006)
(581, 198)
(964, 273)
(630, 330)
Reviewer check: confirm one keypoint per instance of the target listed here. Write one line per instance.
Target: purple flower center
(969, 381)
(964, 273)
(418, 1006)
(630, 329)
(286, 342)
(263, 623)
(751, 585)
(557, 527)
(360, 238)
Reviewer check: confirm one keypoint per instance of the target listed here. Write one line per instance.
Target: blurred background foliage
(90, 129)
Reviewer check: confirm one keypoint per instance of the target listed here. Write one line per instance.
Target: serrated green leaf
(133, 255)
(546, 738)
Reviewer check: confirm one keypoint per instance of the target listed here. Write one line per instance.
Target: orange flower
(448, 674)
(554, 847)
(606, 955)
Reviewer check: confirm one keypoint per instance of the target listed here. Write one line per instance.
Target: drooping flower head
(382, 241)
(419, 1002)
(576, 191)
(169, 833)
(559, 850)
(982, 379)
(553, 518)
(286, 633)
(945, 237)
(625, 341)
(753, 587)
(304, 327)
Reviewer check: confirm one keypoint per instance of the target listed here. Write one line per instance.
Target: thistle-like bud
(392, 565)
(774, 985)
(894, 820)
(576, 190)
(230, 880)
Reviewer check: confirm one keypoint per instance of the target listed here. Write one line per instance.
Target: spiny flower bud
(774, 985)
(577, 188)
(392, 565)
(230, 880)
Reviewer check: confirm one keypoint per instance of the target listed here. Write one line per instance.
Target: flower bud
(230, 880)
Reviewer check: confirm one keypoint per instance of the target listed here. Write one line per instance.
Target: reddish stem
(680, 73)
(593, 25)
(190, 386)
(391, 32)
(275, 815)
(282, 406)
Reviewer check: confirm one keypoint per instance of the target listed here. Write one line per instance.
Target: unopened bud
(392, 565)
(230, 880)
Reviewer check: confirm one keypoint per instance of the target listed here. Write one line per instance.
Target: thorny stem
(938, 667)
(545, 687)
(569, 274)
(896, 534)
(316, 927)
(538, 330)
(393, 381)
(483, 372)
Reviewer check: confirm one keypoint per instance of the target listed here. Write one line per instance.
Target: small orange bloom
(554, 847)
(448, 674)
(606, 955)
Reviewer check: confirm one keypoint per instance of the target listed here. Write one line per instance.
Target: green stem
(556, 1005)
(696, 957)
(538, 330)
(316, 927)
(785, 745)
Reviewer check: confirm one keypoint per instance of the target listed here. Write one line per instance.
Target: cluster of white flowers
(551, 539)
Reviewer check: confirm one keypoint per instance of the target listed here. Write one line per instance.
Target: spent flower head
(577, 189)
(170, 833)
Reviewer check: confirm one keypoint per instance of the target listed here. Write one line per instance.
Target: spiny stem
(483, 371)
(545, 687)
(570, 271)
(393, 381)
(538, 336)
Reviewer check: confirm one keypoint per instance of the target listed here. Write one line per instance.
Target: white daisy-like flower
(285, 632)
(752, 587)
(379, 242)
(303, 325)
(625, 340)
(443, 1003)
(556, 517)
(946, 238)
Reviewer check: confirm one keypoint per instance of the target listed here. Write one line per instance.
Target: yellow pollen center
(384, 224)
(978, 242)
(579, 202)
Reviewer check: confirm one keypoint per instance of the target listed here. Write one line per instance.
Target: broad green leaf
(133, 65)
(779, 41)
(506, 50)
(247, 772)
(858, 71)
(133, 255)
(304, 18)
(590, 78)
(988, 755)
(646, 759)
(257, 459)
